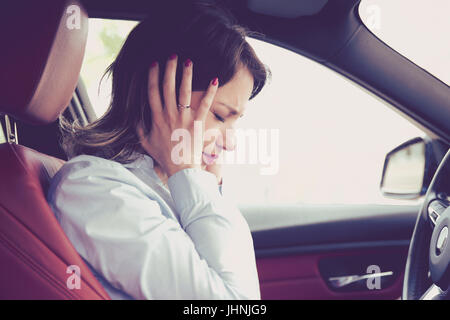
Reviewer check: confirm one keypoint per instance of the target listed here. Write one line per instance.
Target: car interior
(302, 252)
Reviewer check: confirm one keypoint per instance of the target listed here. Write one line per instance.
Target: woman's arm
(219, 231)
(113, 222)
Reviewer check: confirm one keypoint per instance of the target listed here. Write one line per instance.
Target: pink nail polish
(154, 63)
(172, 56)
(215, 81)
(187, 63)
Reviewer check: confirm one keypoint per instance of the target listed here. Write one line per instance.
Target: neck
(161, 174)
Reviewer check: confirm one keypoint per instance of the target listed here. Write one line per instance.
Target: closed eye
(218, 117)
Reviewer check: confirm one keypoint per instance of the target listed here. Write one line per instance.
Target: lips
(209, 158)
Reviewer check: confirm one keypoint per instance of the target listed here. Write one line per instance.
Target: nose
(227, 140)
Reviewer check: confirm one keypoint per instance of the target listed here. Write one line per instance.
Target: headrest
(42, 50)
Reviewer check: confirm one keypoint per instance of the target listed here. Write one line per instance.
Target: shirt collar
(142, 160)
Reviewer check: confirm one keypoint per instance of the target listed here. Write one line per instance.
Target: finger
(186, 84)
(207, 100)
(170, 100)
(186, 88)
(154, 96)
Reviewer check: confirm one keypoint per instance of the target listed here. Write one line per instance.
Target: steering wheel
(427, 273)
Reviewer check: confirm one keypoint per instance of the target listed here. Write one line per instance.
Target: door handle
(342, 281)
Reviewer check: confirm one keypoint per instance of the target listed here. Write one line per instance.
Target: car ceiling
(331, 33)
(309, 18)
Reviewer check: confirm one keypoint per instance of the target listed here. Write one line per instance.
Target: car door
(336, 247)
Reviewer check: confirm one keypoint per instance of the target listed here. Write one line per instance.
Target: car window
(105, 38)
(333, 136)
(416, 29)
(324, 137)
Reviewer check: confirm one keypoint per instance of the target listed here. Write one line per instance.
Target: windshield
(416, 29)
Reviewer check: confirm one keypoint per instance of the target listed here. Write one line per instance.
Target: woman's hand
(167, 117)
(216, 168)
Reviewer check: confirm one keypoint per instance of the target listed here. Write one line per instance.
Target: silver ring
(180, 106)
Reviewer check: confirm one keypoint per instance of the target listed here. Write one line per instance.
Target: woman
(150, 222)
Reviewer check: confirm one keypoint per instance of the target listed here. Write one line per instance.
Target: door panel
(312, 246)
(299, 277)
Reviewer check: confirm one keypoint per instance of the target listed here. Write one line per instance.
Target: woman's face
(228, 106)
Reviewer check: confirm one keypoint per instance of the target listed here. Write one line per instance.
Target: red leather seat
(40, 64)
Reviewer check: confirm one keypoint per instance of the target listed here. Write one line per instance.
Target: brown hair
(205, 33)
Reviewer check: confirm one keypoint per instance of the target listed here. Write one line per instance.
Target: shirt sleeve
(122, 233)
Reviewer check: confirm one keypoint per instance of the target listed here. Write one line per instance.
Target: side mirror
(408, 170)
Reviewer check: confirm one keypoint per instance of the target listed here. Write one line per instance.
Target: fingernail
(172, 56)
(154, 63)
(215, 81)
(187, 63)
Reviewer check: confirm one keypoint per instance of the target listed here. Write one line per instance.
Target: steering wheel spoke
(435, 293)
(435, 209)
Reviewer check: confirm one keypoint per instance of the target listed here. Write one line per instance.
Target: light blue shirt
(145, 240)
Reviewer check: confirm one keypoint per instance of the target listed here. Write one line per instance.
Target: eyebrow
(233, 111)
